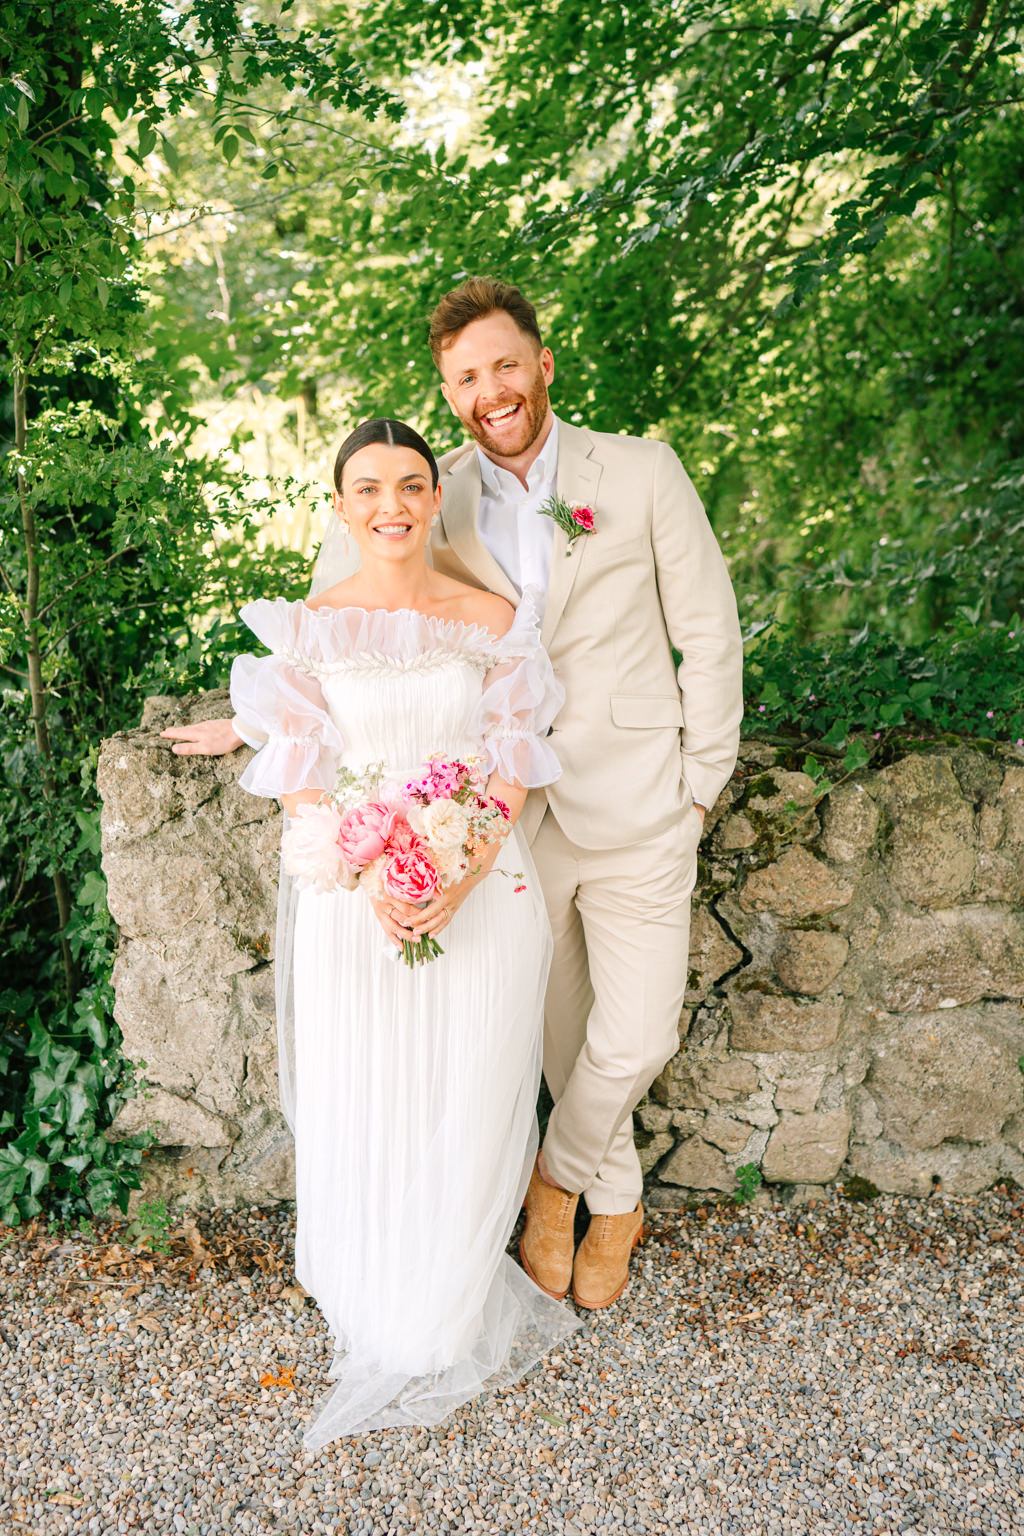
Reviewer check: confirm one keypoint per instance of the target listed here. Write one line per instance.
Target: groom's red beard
(530, 422)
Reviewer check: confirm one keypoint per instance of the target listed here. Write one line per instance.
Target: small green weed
(748, 1181)
(151, 1227)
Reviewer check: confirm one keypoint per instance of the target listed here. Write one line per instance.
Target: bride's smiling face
(388, 501)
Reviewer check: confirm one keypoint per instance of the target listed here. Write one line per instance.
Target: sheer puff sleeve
(279, 705)
(520, 699)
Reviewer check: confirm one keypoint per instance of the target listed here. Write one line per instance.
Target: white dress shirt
(518, 537)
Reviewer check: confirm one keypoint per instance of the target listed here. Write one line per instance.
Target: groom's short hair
(475, 299)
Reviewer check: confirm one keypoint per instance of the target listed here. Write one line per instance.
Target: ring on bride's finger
(447, 914)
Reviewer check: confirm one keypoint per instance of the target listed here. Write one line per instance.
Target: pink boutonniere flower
(573, 520)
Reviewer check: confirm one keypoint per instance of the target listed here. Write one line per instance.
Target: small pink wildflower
(518, 888)
(440, 782)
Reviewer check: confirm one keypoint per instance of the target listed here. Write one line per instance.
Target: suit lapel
(460, 504)
(578, 479)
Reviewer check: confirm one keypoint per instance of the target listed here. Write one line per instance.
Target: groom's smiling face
(496, 382)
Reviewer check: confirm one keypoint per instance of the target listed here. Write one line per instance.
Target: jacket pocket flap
(637, 712)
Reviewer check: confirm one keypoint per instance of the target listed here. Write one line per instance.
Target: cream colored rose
(445, 825)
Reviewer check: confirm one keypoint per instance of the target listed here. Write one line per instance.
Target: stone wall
(855, 996)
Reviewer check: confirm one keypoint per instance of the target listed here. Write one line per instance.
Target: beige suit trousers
(621, 923)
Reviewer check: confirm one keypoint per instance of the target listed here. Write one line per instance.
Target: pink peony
(584, 517)
(311, 852)
(411, 877)
(364, 832)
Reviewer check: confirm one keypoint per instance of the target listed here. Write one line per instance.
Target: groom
(644, 748)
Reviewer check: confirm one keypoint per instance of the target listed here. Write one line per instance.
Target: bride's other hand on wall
(207, 738)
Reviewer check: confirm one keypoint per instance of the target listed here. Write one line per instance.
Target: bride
(411, 1091)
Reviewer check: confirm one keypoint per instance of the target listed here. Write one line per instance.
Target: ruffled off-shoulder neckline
(327, 634)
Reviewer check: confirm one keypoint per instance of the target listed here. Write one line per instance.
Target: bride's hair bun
(384, 429)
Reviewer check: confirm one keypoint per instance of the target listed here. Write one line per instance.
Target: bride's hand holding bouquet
(417, 850)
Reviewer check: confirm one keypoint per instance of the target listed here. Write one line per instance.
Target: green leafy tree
(789, 243)
(111, 576)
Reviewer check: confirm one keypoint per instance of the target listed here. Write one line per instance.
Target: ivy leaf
(93, 892)
(837, 734)
(856, 756)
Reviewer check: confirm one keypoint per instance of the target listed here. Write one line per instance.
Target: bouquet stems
(418, 951)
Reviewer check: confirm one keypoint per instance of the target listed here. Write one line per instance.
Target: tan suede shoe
(547, 1241)
(601, 1269)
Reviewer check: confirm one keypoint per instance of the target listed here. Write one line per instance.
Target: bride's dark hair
(383, 429)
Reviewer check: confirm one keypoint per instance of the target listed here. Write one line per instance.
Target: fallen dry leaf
(283, 1378)
(196, 1247)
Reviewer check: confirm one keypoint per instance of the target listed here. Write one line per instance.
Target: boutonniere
(571, 519)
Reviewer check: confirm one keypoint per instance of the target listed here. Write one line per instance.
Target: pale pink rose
(370, 878)
(410, 877)
(364, 832)
(451, 867)
(393, 796)
(311, 852)
(403, 839)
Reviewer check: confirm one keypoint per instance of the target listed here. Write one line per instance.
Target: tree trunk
(37, 687)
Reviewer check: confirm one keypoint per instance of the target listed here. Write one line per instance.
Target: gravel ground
(842, 1368)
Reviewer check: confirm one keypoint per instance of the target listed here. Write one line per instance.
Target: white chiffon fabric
(411, 1092)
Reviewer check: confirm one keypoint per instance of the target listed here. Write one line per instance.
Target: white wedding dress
(411, 1092)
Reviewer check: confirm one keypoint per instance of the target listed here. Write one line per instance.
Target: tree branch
(36, 683)
(9, 584)
(157, 602)
(222, 213)
(87, 576)
(836, 40)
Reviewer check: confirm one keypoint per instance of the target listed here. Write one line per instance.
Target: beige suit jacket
(636, 738)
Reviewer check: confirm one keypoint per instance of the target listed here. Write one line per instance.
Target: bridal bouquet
(407, 841)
